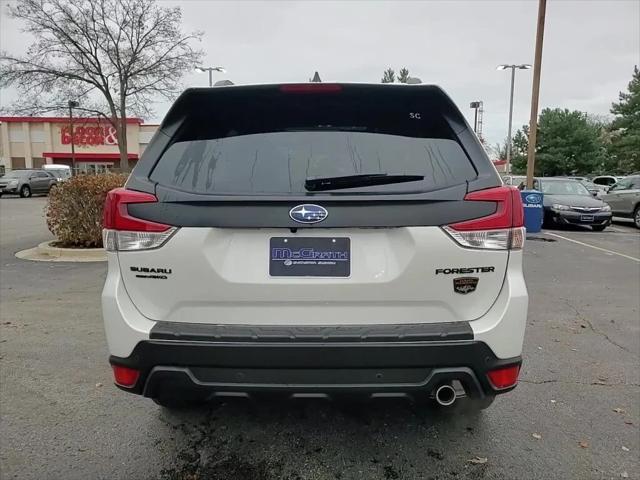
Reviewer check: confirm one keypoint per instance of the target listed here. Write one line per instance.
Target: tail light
(311, 87)
(123, 232)
(505, 377)
(125, 376)
(502, 230)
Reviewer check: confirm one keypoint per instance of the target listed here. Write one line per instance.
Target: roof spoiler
(195, 99)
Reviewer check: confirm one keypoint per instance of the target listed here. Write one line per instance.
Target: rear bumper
(380, 359)
(320, 364)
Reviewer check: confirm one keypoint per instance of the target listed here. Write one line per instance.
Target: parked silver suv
(26, 182)
(624, 198)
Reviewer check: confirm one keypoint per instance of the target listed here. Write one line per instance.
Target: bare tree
(117, 56)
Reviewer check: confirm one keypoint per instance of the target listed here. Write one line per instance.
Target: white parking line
(594, 247)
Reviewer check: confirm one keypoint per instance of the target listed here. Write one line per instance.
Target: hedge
(74, 209)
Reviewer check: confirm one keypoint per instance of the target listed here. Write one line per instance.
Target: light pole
(475, 105)
(523, 66)
(72, 104)
(211, 70)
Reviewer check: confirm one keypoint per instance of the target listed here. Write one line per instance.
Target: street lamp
(476, 106)
(211, 70)
(72, 104)
(523, 66)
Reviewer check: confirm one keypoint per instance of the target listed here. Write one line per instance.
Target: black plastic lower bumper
(320, 364)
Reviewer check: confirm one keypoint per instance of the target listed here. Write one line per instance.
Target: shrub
(74, 209)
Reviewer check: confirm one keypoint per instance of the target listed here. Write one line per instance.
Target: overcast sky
(590, 47)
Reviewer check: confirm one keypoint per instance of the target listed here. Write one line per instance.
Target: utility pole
(72, 104)
(535, 94)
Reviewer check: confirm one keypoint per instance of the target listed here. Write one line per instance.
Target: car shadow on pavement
(386, 439)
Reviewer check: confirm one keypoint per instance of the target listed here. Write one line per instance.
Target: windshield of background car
(17, 174)
(271, 145)
(559, 187)
(59, 173)
(626, 184)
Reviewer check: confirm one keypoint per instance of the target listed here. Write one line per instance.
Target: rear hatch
(316, 204)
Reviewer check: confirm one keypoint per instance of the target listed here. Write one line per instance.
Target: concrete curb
(47, 253)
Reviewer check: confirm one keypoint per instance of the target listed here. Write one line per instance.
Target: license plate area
(309, 257)
(586, 218)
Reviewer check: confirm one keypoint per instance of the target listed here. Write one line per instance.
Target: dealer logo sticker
(465, 285)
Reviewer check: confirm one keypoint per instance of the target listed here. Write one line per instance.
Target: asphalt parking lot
(575, 414)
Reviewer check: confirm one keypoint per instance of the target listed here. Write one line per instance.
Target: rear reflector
(502, 378)
(125, 376)
(311, 88)
(123, 232)
(502, 230)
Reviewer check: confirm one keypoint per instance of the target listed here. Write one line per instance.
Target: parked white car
(315, 239)
(61, 172)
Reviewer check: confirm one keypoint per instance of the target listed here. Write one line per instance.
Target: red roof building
(30, 142)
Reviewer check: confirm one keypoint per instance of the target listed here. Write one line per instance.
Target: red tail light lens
(125, 376)
(123, 232)
(508, 214)
(116, 216)
(311, 88)
(502, 378)
(502, 230)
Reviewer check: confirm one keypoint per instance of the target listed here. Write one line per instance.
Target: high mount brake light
(502, 230)
(311, 88)
(122, 231)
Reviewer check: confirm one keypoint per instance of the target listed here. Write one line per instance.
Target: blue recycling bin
(533, 210)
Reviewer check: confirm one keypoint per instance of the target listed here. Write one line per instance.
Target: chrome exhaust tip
(445, 395)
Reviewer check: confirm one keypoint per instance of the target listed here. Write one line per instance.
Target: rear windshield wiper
(353, 181)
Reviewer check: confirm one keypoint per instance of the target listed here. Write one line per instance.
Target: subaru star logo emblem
(532, 198)
(308, 213)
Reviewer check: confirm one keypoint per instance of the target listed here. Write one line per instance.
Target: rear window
(271, 143)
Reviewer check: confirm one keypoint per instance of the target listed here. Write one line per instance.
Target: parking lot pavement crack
(563, 382)
(595, 330)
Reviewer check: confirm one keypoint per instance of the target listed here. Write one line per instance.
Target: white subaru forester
(315, 239)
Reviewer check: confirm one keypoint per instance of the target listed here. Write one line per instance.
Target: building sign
(89, 136)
